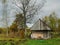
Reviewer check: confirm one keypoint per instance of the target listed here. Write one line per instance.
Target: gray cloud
(50, 6)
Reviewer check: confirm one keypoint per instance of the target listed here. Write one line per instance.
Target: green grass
(55, 41)
(43, 42)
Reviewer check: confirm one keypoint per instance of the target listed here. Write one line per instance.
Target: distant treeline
(54, 22)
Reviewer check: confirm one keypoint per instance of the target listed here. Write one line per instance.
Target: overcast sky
(49, 7)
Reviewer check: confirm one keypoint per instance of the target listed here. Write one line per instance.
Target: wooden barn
(40, 30)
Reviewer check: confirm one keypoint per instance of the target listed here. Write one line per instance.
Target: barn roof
(40, 25)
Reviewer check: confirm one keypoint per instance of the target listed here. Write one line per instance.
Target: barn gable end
(40, 30)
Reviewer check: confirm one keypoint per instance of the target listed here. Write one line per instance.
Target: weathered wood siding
(40, 35)
(37, 35)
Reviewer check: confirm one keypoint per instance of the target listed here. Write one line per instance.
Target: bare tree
(29, 8)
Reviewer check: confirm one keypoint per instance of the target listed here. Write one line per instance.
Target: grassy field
(55, 41)
(43, 42)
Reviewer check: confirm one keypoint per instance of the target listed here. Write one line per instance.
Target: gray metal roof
(40, 25)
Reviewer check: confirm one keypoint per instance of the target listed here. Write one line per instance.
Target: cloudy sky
(49, 7)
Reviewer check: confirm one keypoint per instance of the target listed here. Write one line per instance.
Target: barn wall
(40, 35)
(37, 35)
